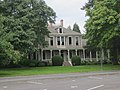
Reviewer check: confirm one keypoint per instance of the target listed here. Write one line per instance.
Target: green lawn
(55, 70)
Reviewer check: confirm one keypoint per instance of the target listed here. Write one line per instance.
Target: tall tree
(76, 28)
(103, 25)
(7, 53)
(26, 20)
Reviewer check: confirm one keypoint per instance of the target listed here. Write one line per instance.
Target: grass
(55, 70)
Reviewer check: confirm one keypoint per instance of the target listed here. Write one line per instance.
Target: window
(60, 30)
(70, 40)
(51, 41)
(62, 40)
(76, 41)
(58, 40)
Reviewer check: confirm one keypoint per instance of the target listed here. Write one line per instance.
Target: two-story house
(66, 43)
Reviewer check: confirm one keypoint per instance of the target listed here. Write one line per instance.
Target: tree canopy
(23, 25)
(103, 25)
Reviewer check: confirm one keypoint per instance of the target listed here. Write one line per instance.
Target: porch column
(68, 55)
(96, 55)
(76, 52)
(51, 54)
(108, 52)
(84, 54)
(90, 56)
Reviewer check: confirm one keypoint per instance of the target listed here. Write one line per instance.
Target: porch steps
(67, 63)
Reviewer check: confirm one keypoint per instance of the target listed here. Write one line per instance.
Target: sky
(70, 11)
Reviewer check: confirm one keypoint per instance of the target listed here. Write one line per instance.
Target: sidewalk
(56, 76)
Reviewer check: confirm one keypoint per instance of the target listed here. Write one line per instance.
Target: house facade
(66, 43)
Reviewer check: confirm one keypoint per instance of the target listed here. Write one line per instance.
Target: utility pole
(102, 57)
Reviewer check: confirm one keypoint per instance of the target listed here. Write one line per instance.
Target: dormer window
(60, 30)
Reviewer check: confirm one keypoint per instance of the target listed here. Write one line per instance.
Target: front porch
(67, 54)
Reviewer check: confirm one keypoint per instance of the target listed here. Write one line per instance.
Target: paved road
(77, 81)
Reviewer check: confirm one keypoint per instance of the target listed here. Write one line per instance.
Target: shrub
(57, 60)
(41, 64)
(33, 63)
(91, 62)
(28, 63)
(83, 62)
(24, 62)
(76, 60)
(104, 62)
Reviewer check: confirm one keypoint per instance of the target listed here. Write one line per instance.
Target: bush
(76, 60)
(91, 62)
(83, 62)
(24, 62)
(104, 62)
(57, 60)
(41, 64)
(33, 63)
(28, 63)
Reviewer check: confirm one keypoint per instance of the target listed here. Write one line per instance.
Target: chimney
(61, 22)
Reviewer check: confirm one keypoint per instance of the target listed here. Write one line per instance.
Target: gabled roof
(54, 29)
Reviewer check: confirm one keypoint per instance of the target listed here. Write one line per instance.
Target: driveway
(73, 81)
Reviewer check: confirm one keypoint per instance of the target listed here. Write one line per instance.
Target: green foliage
(41, 64)
(24, 62)
(91, 62)
(103, 25)
(23, 27)
(57, 60)
(33, 63)
(76, 28)
(95, 62)
(8, 54)
(76, 60)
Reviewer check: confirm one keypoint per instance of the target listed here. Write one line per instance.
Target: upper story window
(58, 40)
(70, 40)
(62, 41)
(76, 41)
(60, 30)
(51, 41)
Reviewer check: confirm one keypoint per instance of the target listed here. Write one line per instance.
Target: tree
(25, 24)
(103, 25)
(76, 28)
(69, 27)
(7, 53)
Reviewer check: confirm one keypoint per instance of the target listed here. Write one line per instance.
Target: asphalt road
(77, 81)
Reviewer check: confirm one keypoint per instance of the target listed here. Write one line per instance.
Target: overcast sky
(69, 11)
